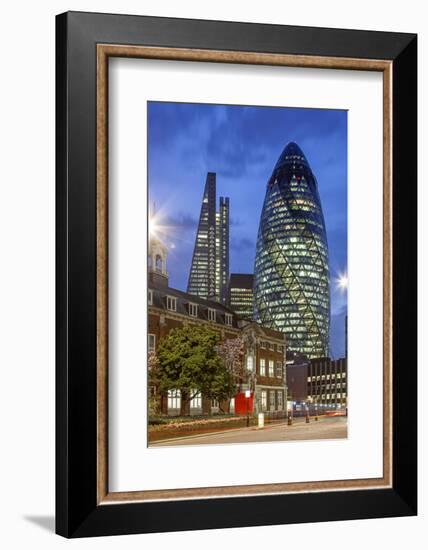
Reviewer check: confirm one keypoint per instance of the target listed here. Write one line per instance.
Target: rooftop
(241, 280)
(184, 298)
(291, 153)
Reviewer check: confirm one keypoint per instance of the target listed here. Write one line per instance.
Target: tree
(188, 361)
(153, 375)
(231, 352)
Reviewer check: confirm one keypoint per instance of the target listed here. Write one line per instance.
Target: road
(324, 428)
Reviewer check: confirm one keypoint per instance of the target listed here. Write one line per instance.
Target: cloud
(183, 221)
(340, 310)
(242, 144)
(235, 222)
(241, 244)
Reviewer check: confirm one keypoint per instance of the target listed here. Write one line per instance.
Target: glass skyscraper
(291, 274)
(209, 272)
(241, 295)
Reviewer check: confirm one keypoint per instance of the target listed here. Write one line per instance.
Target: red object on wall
(244, 405)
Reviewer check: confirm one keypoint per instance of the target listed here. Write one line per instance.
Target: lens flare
(342, 281)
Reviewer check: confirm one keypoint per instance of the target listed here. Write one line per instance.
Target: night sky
(242, 145)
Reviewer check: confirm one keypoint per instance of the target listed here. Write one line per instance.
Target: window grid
(174, 399)
(152, 342)
(211, 314)
(171, 303)
(264, 400)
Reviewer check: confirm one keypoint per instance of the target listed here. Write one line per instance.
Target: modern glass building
(209, 271)
(240, 294)
(291, 274)
(222, 249)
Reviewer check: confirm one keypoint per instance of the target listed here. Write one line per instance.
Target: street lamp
(315, 402)
(307, 410)
(247, 397)
(290, 412)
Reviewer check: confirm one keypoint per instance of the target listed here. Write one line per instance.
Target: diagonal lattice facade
(291, 275)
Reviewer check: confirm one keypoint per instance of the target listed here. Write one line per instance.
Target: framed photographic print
(236, 274)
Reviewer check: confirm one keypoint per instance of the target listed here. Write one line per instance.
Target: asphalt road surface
(324, 428)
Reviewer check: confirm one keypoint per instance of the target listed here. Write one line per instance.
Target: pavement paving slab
(324, 428)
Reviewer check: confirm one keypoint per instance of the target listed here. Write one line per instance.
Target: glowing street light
(247, 399)
(342, 281)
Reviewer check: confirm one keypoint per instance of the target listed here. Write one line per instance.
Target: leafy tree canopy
(189, 362)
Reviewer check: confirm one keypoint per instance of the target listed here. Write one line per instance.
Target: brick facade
(264, 348)
(170, 308)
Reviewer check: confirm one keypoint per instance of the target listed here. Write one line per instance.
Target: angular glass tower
(209, 272)
(291, 274)
(222, 249)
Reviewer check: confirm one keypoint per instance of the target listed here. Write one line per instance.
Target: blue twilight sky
(242, 144)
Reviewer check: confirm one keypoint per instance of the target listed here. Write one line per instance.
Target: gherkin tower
(291, 275)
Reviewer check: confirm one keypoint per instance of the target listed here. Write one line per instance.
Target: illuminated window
(174, 399)
(152, 342)
(262, 367)
(196, 401)
(250, 363)
(264, 400)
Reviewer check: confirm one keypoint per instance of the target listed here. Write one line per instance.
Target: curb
(196, 436)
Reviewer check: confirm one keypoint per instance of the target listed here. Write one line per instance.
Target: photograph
(213, 258)
(247, 274)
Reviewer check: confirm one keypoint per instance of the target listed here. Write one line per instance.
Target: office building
(291, 274)
(240, 295)
(209, 270)
(328, 383)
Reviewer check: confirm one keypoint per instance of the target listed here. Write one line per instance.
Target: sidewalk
(271, 425)
(325, 428)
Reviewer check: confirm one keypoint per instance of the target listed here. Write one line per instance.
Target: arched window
(158, 264)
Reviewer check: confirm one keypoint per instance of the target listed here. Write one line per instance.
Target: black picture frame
(77, 512)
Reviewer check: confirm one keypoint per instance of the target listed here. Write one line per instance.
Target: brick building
(264, 348)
